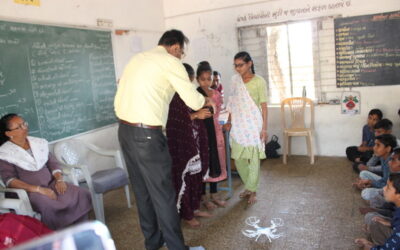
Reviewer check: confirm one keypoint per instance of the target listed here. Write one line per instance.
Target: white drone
(270, 232)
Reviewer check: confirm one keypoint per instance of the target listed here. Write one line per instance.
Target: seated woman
(25, 163)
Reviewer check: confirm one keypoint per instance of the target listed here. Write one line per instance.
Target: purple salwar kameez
(186, 140)
(70, 207)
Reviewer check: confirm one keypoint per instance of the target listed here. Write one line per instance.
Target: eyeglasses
(239, 65)
(23, 125)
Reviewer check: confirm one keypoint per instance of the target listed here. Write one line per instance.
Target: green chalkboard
(61, 80)
(368, 50)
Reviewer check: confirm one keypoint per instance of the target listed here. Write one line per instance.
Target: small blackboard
(368, 50)
(61, 80)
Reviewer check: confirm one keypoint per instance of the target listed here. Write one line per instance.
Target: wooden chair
(297, 127)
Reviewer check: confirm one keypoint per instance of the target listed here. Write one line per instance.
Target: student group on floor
(377, 160)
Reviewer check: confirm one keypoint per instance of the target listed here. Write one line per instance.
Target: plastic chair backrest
(297, 107)
(67, 153)
(75, 152)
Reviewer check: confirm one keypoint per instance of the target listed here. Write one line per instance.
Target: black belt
(140, 125)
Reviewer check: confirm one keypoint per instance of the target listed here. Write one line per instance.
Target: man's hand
(201, 114)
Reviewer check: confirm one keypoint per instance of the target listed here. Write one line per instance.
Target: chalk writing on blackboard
(60, 79)
(368, 50)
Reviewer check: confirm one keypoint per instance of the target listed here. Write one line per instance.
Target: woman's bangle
(59, 180)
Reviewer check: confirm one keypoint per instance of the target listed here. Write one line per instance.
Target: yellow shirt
(148, 84)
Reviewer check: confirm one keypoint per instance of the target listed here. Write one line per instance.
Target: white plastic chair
(20, 204)
(297, 126)
(102, 170)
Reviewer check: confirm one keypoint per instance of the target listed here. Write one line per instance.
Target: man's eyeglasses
(23, 125)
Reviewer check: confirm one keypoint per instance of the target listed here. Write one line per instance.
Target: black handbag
(271, 147)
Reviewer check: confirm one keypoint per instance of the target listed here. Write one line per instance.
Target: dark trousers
(213, 187)
(379, 233)
(149, 165)
(352, 153)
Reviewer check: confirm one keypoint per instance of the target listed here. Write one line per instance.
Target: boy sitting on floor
(373, 165)
(364, 151)
(371, 183)
(392, 194)
(379, 207)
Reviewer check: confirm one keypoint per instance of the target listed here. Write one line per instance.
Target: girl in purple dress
(187, 143)
(25, 163)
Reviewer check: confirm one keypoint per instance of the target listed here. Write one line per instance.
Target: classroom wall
(211, 27)
(141, 21)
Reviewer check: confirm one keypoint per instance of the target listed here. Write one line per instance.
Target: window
(290, 60)
(289, 56)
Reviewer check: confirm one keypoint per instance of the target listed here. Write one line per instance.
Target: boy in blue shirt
(363, 152)
(379, 207)
(392, 194)
(369, 182)
(373, 165)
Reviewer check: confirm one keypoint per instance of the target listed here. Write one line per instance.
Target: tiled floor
(317, 204)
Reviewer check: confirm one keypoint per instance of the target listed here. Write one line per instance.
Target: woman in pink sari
(217, 158)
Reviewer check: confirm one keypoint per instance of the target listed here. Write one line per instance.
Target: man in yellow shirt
(145, 90)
